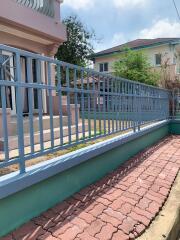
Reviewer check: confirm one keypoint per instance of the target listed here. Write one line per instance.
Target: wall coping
(15, 182)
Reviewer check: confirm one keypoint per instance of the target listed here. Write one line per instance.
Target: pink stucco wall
(17, 22)
(31, 20)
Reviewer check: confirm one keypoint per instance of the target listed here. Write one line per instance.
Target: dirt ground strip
(118, 207)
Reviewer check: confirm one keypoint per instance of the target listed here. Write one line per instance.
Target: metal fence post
(19, 114)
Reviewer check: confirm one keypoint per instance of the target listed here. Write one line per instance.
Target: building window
(103, 67)
(174, 60)
(158, 59)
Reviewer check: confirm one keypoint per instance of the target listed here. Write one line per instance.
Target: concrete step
(46, 123)
(13, 140)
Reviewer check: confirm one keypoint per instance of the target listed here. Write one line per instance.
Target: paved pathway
(118, 207)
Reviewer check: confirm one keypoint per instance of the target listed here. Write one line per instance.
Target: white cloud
(161, 28)
(79, 4)
(129, 3)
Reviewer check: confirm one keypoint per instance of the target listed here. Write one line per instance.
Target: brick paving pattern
(118, 207)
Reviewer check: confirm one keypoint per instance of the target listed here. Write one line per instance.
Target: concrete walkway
(118, 207)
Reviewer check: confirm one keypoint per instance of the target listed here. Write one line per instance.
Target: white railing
(45, 7)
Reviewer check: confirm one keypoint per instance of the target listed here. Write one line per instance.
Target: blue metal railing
(75, 106)
(45, 7)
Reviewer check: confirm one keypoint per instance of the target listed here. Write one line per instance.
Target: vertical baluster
(108, 108)
(30, 102)
(19, 114)
(40, 106)
(131, 105)
(60, 103)
(50, 104)
(123, 105)
(150, 104)
(145, 91)
(118, 104)
(126, 92)
(76, 105)
(112, 104)
(89, 105)
(82, 104)
(156, 105)
(68, 105)
(99, 102)
(143, 106)
(128, 122)
(173, 103)
(134, 107)
(94, 104)
(139, 107)
(104, 103)
(126, 105)
(4, 122)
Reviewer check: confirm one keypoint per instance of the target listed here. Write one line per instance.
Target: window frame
(102, 67)
(158, 54)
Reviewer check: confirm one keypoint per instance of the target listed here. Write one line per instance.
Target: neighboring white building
(157, 50)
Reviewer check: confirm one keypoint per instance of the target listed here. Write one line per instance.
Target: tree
(134, 65)
(78, 46)
(169, 79)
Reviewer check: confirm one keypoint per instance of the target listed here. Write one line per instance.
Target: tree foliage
(78, 46)
(134, 65)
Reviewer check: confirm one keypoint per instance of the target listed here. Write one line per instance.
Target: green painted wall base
(174, 127)
(23, 206)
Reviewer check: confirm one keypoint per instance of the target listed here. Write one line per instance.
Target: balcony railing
(45, 7)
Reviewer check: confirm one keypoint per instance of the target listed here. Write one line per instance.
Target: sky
(119, 21)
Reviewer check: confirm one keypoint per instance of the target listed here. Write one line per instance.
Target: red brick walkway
(120, 206)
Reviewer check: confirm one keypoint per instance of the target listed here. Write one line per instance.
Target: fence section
(48, 105)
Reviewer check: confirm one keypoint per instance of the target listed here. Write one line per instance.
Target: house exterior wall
(165, 50)
(110, 59)
(28, 24)
(25, 28)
